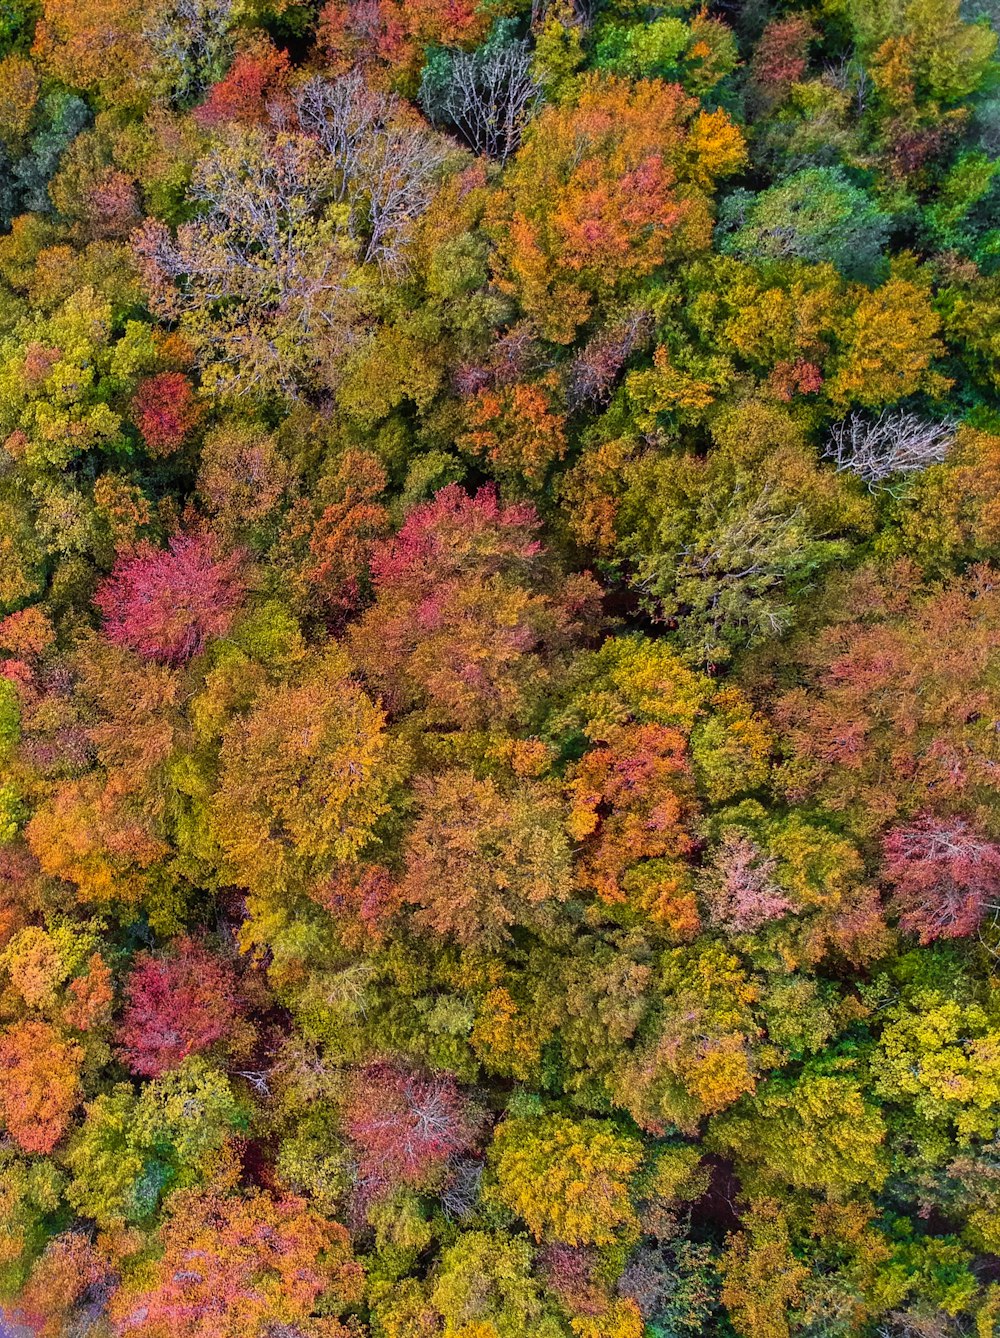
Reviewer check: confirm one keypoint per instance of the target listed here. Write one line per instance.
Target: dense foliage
(500, 668)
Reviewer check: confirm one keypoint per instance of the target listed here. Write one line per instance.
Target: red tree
(781, 57)
(165, 411)
(468, 610)
(254, 78)
(944, 876)
(112, 205)
(176, 1005)
(363, 901)
(166, 604)
(405, 1128)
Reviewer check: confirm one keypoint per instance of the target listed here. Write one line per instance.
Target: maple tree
(462, 593)
(176, 1006)
(234, 1265)
(41, 1084)
(167, 603)
(165, 411)
(406, 1128)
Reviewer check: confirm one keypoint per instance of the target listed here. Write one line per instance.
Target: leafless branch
(896, 442)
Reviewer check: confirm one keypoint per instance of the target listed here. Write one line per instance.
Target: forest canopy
(500, 669)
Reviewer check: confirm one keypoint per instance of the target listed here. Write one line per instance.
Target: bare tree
(896, 442)
(488, 96)
(342, 115)
(397, 181)
(383, 165)
(260, 280)
(595, 369)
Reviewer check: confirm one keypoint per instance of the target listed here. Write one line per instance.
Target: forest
(499, 669)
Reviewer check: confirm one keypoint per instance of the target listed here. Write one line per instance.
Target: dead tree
(487, 96)
(896, 442)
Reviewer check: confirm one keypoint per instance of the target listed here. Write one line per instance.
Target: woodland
(500, 669)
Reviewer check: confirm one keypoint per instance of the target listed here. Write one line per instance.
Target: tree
(762, 1278)
(305, 776)
(674, 1286)
(813, 1132)
(166, 604)
(633, 806)
(697, 1051)
(165, 412)
(815, 898)
(604, 190)
(177, 1005)
(257, 76)
(944, 877)
(30, 1192)
(469, 617)
(242, 478)
(132, 1150)
(725, 545)
(519, 429)
(192, 45)
(487, 95)
(888, 347)
(94, 47)
(780, 58)
(942, 57)
(485, 1284)
(406, 1129)
(387, 41)
(260, 279)
(263, 279)
(68, 1286)
(568, 1179)
(940, 1059)
(815, 215)
(480, 861)
(895, 443)
(329, 539)
(874, 730)
(596, 367)
(41, 1084)
(242, 1266)
(387, 167)
(741, 887)
(22, 558)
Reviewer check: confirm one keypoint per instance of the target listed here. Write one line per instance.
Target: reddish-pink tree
(740, 888)
(176, 1005)
(165, 411)
(944, 877)
(112, 205)
(405, 1128)
(573, 1273)
(166, 604)
(781, 57)
(363, 902)
(468, 610)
